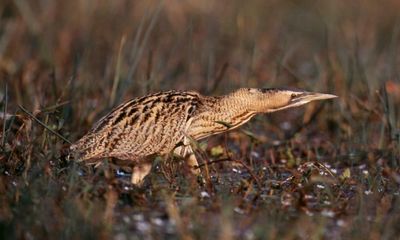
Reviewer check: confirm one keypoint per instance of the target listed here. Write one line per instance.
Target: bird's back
(144, 126)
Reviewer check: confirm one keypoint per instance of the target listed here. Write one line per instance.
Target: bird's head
(266, 100)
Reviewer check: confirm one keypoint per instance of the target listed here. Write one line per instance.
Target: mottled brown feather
(157, 123)
(140, 127)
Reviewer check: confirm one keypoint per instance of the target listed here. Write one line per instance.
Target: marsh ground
(328, 170)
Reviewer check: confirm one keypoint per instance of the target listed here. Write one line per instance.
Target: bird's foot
(139, 172)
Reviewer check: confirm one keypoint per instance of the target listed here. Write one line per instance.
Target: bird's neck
(219, 114)
(234, 111)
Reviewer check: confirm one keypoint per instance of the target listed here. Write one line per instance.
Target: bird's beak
(304, 98)
(311, 96)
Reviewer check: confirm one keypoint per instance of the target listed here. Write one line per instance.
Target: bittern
(165, 122)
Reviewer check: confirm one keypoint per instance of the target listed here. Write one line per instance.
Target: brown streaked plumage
(155, 124)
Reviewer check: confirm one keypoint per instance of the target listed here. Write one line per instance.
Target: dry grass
(323, 171)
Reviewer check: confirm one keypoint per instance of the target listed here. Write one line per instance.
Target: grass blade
(44, 125)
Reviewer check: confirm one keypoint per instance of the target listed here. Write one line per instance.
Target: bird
(169, 121)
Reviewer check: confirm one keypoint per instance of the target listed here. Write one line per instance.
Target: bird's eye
(293, 95)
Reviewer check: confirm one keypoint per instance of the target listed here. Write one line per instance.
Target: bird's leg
(187, 153)
(139, 172)
(191, 161)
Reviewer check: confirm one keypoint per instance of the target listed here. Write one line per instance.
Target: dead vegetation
(323, 171)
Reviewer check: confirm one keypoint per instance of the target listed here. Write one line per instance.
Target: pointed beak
(320, 96)
(311, 96)
(304, 98)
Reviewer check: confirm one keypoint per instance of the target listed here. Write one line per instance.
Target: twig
(326, 169)
(218, 79)
(386, 110)
(43, 125)
(139, 51)
(220, 76)
(249, 170)
(28, 15)
(117, 72)
(5, 119)
(54, 107)
(215, 161)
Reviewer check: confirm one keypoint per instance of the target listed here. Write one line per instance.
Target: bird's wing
(140, 127)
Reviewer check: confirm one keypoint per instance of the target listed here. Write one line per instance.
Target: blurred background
(95, 54)
(69, 62)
